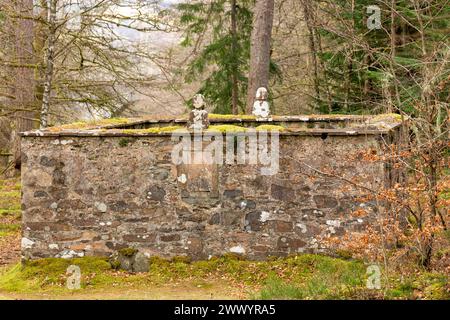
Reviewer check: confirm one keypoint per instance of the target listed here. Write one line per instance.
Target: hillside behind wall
(94, 194)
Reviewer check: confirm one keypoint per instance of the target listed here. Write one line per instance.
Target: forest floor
(10, 216)
(228, 277)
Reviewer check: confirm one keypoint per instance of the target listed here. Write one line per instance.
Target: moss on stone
(231, 116)
(269, 127)
(155, 130)
(123, 142)
(111, 121)
(79, 125)
(74, 125)
(128, 252)
(99, 124)
(226, 128)
(389, 117)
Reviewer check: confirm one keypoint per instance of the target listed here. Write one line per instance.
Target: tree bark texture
(260, 49)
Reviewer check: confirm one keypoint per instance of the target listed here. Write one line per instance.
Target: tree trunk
(234, 45)
(50, 56)
(260, 49)
(390, 106)
(25, 102)
(307, 13)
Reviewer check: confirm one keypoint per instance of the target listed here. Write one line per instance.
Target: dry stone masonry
(99, 189)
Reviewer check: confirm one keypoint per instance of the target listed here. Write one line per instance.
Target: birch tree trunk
(260, 49)
(50, 56)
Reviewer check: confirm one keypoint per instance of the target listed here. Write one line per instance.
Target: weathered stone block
(290, 244)
(282, 193)
(139, 238)
(156, 193)
(281, 226)
(170, 237)
(323, 201)
(254, 221)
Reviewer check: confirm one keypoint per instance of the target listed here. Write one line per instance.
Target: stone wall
(95, 195)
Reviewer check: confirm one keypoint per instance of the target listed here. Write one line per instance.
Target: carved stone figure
(261, 108)
(198, 118)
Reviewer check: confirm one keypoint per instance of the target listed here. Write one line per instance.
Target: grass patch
(430, 286)
(298, 277)
(326, 278)
(10, 205)
(10, 194)
(10, 212)
(445, 195)
(50, 273)
(10, 208)
(7, 229)
(275, 288)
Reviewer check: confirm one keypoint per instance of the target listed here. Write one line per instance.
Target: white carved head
(199, 101)
(262, 94)
(261, 108)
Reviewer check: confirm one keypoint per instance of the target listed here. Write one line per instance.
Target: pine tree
(376, 70)
(221, 30)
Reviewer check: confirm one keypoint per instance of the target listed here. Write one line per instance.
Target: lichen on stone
(123, 142)
(390, 117)
(231, 116)
(269, 127)
(226, 128)
(90, 124)
(155, 130)
(128, 252)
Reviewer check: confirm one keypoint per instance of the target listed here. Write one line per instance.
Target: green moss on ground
(128, 252)
(9, 206)
(297, 277)
(10, 209)
(10, 212)
(15, 194)
(430, 286)
(7, 229)
(50, 273)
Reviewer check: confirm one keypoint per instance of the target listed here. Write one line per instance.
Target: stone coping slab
(286, 125)
(127, 133)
